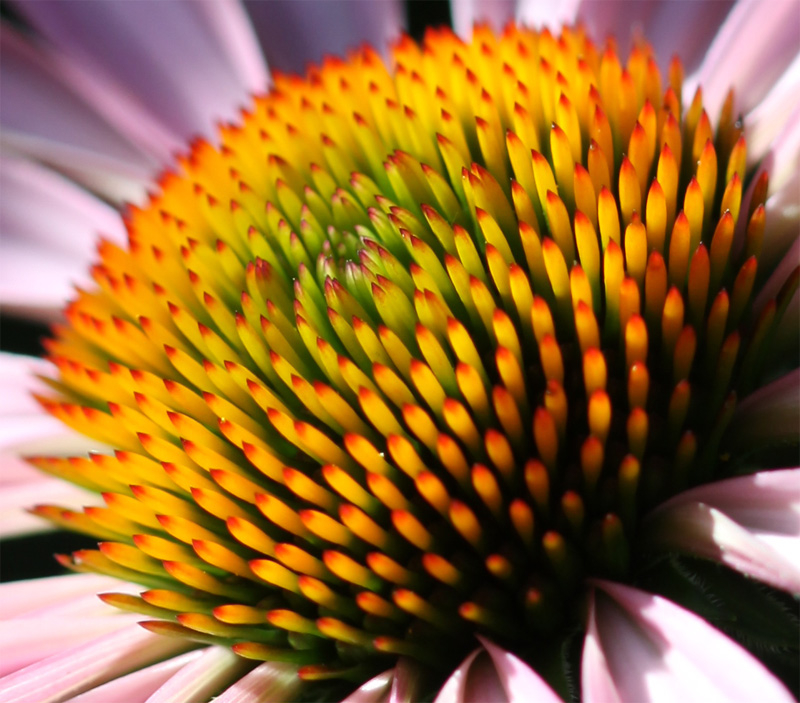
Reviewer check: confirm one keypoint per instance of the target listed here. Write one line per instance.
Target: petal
(454, 688)
(138, 686)
(547, 13)
(175, 58)
(203, 677)
(520, 682)
(644, 647)
(271, 681)
(24, 641)
(465, 14)
(770, 414)
(373, 691)
(81, 668)
(750, 523)
(294, 34)
(16, 499)
(663, 24)
(44, 118)
(23, 597)
(764, 122)
(755, 44)
(706, 532)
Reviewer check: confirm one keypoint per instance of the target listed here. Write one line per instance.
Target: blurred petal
(373, 691)
(465, 13)
(771, 414)
(24, 641)
(547, 13)
(138, 686)
(175, 58)
(295, 34)
(644, 647)
(79, 669)
(751, 523)
(15, 499)
(43, 118)
(271, 681)
(454, 688)
(18, 598)
(203, 677)
(520, 682)
(39, 259)
(755, 44)
(664, 24)
(26, 429)
(494, 674)
(763, 123)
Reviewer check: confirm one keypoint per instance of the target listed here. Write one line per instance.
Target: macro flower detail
(425, 358)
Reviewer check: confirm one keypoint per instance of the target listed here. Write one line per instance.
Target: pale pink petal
(43, 117)
(16, 499)
(597, 683)
(45, 209)
(520, 682)
(483, 683)
(646, 648)
(271, 681)
(454, 688)
(138, 686)
(236, 37)
(202, 678)
(376, 690)
(24, 641)
(750, 523)
(755, 44)
(167, 55)
(467, 12)
(772, 413)
(73, 671)
(18, 598)
(664, 25)
(294, 34)
(547, 13)
(763, 123)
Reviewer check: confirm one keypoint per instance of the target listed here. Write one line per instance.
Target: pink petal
(375, 690)
(662, 23)
(644, 647)
(73, 671)
(494, 674)
(168, 56)
(24, 641)
(772, 413)
(764, 122)
(750, 523)
(138, 686)
(271, 681)
(294, 34)
(547, 13)
(202, 678)
(494, 12)
(754, 46)
(520, 682)
(454, 689)
(18, 598)
(43, 118)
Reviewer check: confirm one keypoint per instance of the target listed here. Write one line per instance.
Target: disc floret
(409, 356)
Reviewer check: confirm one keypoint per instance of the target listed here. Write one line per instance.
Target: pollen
(410, 353)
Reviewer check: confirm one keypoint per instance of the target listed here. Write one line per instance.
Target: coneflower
(408, 358)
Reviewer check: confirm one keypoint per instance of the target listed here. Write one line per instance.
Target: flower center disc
(408, 356)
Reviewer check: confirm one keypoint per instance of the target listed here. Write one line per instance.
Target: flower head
(407, 358)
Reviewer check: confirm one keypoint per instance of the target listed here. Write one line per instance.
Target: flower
(320, 409)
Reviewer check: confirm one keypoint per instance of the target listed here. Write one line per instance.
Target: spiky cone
(410, 355)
